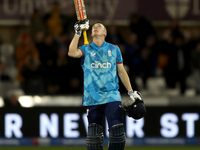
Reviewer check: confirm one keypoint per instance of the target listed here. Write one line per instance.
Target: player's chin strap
(117, 137)
(95, 137)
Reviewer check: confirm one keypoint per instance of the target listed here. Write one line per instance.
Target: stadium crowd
(43, 67)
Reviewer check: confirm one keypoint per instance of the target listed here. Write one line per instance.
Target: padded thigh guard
(117, 137)
(95, 137)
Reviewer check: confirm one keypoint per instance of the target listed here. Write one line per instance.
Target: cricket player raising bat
(101, 61)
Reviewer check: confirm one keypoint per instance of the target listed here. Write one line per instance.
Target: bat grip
(85, 37)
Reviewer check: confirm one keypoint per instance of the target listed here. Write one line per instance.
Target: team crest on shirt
(109, 52)
(93, 54)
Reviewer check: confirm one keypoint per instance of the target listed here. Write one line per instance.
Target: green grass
(105, 148)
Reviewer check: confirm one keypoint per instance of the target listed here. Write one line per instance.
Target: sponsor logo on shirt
(101, 65)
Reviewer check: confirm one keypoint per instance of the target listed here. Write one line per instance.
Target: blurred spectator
(7, 82)
(76, 76)
(151, 43)
(148, 65)
(11, 101)
(7, 54)
(132, 58)
(52, 88)
(192, 41)
(163, 45)
(7, 51)
(113, 35)
(75, 86)
(62, 59)
(48, 51)
(38, 40)
(33, 74)
(132, 54)
(141, 27)
(174, 30)
(62, 70)
(195, 58)
(122, 49)
(54, 20)
(36, 23)
(177, 69)
(24, 49)
(71, 19)
(49, 61)
(194, 77)
(4, 76)
(63, 39)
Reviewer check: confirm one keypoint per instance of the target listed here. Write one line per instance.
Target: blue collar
(97, 47)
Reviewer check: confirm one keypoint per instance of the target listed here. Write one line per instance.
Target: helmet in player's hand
(134, 108)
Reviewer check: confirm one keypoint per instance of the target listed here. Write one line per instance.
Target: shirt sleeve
(82, 48)
(119, 56)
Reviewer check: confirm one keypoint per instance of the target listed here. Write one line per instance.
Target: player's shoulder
(111, 45)
(82, 47)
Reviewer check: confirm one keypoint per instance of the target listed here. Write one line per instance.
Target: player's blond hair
(98, 23)
(102, 25)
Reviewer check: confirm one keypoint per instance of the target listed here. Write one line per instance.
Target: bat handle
(85, 37)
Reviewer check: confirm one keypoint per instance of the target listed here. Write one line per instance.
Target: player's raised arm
(73, 48)
(81, 25)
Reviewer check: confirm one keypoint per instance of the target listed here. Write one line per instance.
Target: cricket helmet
(136, 109)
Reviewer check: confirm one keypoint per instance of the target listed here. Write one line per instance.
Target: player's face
(98, 29)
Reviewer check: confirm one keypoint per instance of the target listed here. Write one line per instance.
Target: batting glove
(80, 26)
(135, 95)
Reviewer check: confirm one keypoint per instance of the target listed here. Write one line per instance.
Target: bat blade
(80, 9)
(81, 14)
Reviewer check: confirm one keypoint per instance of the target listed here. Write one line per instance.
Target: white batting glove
(135, 95)
(80, 26)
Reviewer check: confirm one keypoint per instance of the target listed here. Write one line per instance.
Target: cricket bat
(81, 14)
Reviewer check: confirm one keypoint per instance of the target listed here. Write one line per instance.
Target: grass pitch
(105, 148)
